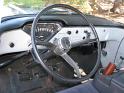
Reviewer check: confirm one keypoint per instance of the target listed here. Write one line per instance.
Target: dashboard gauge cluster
(43, 30)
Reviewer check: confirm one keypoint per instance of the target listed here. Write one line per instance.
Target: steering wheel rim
(35, 50)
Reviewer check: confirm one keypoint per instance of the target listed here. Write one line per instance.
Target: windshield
(110, 9)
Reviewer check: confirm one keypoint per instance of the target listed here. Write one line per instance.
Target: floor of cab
(26, 76)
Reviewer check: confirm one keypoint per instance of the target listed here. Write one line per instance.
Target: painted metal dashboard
(18, 40)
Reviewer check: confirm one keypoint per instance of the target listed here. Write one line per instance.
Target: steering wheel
(61, 46)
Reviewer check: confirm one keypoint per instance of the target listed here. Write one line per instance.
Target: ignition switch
(87, 33)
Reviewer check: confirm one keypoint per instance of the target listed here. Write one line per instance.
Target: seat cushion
(83, 88)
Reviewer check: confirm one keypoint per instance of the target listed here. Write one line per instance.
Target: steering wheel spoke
(72, 63)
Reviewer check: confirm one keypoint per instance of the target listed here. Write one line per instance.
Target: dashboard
(15, 34)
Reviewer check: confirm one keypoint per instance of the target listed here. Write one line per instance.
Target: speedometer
(44, 30)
